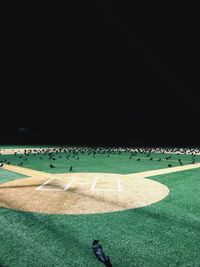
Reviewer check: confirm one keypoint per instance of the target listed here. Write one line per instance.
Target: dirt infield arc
(83, 193)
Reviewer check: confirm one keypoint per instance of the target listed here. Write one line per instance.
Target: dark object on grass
(1, 165)
(169, 165)
(51, 166)
(99, 253)
(70, 168)
(138, 159)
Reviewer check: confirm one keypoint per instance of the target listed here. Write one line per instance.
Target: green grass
(101, 163)
(6, 176)
(164, 234)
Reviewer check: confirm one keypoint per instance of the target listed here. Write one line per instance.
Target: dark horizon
(107, 75)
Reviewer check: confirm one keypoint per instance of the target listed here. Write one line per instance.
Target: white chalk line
(118, 186)
(40, 187)
(94, 184)
(69, 185)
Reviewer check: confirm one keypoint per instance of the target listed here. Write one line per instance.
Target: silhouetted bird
(51, 166)
(99, 253)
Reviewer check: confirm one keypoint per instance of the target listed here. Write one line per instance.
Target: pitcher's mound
(81, 193)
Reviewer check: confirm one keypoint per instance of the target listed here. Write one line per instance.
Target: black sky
(8, 4)
(107, 73)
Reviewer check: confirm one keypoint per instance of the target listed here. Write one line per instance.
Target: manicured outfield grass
(164, 234)
(6, 176)
(101, 163)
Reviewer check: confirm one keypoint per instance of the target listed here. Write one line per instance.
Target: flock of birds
(75, 152)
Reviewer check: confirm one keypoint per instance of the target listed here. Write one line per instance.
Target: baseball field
(143, 205)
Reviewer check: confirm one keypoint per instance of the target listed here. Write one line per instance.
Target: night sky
(105, 73)
(8, 4)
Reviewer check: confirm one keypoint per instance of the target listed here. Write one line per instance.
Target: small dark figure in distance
(1, 165)
(169, 165)
(70, 168)
(99, 253)
(193, 161)
(51, 166)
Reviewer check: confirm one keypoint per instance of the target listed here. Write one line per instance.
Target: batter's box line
(67, 186)
(40, 187)
(118, 182)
